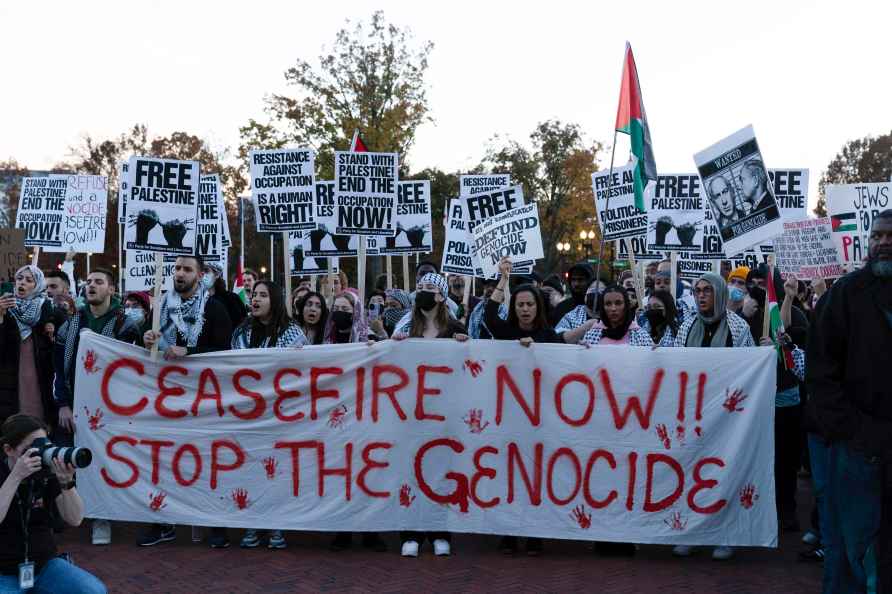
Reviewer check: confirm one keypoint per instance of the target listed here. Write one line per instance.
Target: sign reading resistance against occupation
(555, 441)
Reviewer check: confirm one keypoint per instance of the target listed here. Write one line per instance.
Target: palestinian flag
(847, 221)
(239, 288)
(776, 326)
(631, 120)
(357, 145)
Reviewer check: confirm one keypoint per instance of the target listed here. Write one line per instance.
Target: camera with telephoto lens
(47, 451)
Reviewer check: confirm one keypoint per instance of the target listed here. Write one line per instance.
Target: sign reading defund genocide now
(515, 234)
(366, 193)
(42, 211)
(282, 187)
(672, 446)
(162, 205)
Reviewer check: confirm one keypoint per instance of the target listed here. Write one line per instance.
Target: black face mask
(342, 320)
(655, 317)
(425, 300)
(590, 301)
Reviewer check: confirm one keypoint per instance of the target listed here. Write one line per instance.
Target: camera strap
(25, 516)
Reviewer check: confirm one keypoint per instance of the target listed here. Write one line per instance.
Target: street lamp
(263, 270)
(587, 238)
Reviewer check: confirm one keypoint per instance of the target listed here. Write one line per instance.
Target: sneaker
(508, 545)
(816, 554)
(683, 550)
(534, 547)
(250, 540)
(341, 542)
(156, 534)
(811, 539)
(442, 548)
(219, 538)
(410, 549)
(373, 541)
(101, 532)
(722, 553)
(276, 540)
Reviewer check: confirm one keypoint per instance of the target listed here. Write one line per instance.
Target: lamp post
(563, 250)
(587, 237)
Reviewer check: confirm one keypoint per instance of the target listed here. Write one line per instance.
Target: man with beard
(579, 277)
(191, 323)
(102, 315)
(849, 350)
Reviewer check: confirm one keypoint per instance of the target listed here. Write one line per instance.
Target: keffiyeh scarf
(27, 309)
(291, 337)
(185, 318)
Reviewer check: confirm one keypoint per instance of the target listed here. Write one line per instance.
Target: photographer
(28, 500)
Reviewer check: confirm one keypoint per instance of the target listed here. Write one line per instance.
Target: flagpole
(241, 230)
(606, 209)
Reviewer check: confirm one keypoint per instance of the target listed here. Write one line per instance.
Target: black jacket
(504, 330)
(234, 306)
(10, 341)
(849, 357)
(216, 333)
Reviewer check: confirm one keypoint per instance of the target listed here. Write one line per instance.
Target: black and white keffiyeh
(185, 318)
(27, 309)
(291, 337)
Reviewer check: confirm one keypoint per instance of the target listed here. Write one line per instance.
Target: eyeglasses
(703, 291)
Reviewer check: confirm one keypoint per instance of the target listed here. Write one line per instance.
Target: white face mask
(136, 314)
(208, 280)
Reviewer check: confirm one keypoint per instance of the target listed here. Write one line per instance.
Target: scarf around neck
(185, 318)
(27, 309)
(719, 315)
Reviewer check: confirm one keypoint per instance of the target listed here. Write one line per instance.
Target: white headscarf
(27, 309)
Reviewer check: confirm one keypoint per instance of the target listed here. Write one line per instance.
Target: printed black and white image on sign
(739, 191)
(413, 220)
(366, 193)
(41, 211)
(282, 186)
(323, 242)
(675, 213)
(301, 264)
(623, 219)
(162, 205)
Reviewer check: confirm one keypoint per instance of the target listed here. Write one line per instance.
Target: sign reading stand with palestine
(282, 185)
(162, 205)
(41, 211)
(209, 233)
(366, 193)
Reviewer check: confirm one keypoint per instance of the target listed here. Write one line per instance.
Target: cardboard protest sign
(740, 194)
(483, 205)
(456, 248)
(282, 187)
(12, 253)
(675, 213)
(432, 435)
(323, 242)
(515, 234)
(468, 185)
(139, 271)
(852, 209)
(209, 231)
(413, 220)
(162, 205)
(623, 219)
(86, 201)
(639, 247)
(41, 211)
(807, 250)
(303, 265)
(366, 193)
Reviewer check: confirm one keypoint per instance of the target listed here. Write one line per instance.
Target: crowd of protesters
(833, 409)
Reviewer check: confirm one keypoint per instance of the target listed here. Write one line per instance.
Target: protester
(582, 314)
(65, 304)
(296, 296)
(311, 314)
(661, 319)
(44, 496)
(336, 286)
(579, 276)
(268, 327)
(430, 319)
(396, 304)
(849, 349)
(616, 324)
(457, 295)
(713, 326)
(737, 291)
(249, 277)
(26, 367)
(553, 291)
(191, 323)
(216, 288)
(663, 282)
(137, 306)
(102, 316)
(476, 326)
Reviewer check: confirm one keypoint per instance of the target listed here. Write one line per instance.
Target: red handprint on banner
(680, 434)
(582, 518)
(269, 465)
(732, 399)
(156, 500)
(240, 497)
(748, 496)
(663, 434)
(406, 497)
(337, 416)
(675, 521)
(473, 420)
(94, 419)
(474, 367)
(89, 360)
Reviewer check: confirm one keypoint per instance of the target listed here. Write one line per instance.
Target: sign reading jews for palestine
(672, 446)
(852, 209)
(282, 186)
(162, 205)
(366, 193)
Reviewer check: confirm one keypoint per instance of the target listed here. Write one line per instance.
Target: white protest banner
(323, 242)
(282, 187)
(740, 193)
(675, 213)
(456, 248)
(209, 231)
(807, 250)
(515, 233)
(468, 185)
(86, 201)
(623, 219)
(139, 271)
(162, 205)
(413, 220)
(42, 211)
(366, 193)
(303, 265)
(666, 446)
(852, 208)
